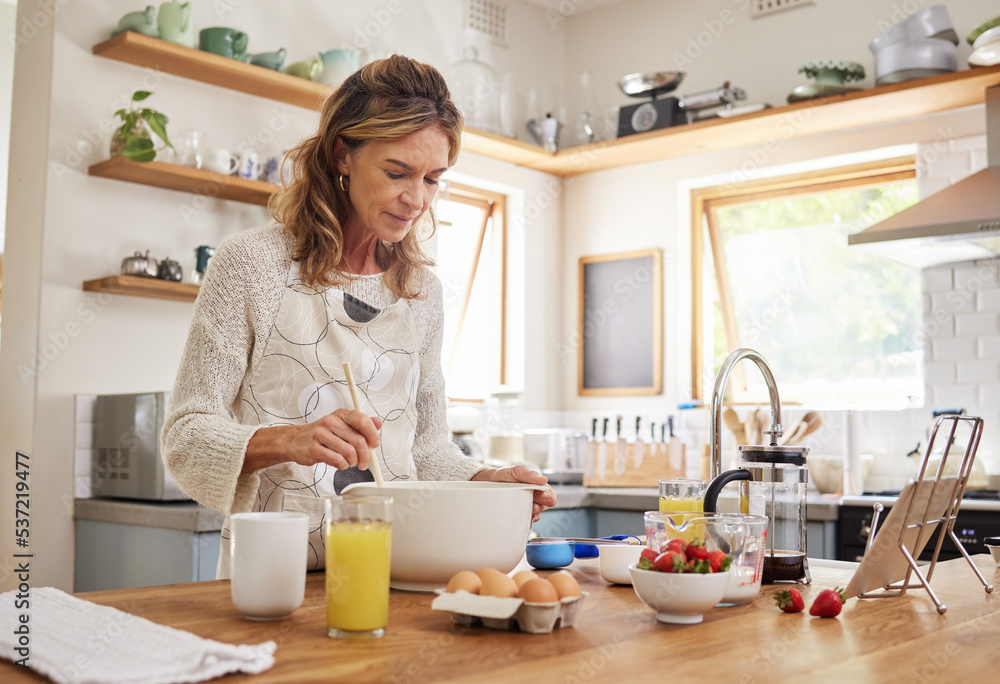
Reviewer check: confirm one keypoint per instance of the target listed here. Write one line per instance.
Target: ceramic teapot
(140, 265)
(142, 22)
(339, 64)
(169, 270)
(175, 23)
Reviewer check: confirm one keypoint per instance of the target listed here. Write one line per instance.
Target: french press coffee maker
(773, 484)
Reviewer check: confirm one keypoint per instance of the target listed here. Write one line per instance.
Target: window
(470, 263)
(838, 325)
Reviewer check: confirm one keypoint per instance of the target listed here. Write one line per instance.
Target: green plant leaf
(140, 95)
(134, 143)
(120, 112)
(148, 155)
(158, 124)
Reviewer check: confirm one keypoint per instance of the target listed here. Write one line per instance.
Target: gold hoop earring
(345, 182)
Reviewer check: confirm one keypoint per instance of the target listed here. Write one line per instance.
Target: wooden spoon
(732, 421)
(813, 422)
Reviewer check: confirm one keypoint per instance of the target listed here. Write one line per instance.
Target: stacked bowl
(923, 44)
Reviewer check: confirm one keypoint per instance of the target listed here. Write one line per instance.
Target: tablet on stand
(928, 504)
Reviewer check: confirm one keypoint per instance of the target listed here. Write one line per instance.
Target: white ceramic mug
(220, 160)
(268, 563)
(248, 164)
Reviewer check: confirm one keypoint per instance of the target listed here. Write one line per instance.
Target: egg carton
(493, 612)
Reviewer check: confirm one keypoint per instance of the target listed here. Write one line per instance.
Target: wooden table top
(616, 637)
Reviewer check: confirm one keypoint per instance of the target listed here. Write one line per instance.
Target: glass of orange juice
(358, 540)
(682, 494)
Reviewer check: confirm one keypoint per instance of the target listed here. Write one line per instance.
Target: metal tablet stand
(925, 521)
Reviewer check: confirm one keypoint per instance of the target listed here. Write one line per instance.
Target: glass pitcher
(772, 483)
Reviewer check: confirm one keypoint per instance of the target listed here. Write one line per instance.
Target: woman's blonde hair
(385, 100)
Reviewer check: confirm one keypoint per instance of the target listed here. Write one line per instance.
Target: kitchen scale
(673, 111)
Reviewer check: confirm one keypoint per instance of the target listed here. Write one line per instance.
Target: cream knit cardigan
(202, 444)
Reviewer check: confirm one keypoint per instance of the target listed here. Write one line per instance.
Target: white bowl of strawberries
(678, 583)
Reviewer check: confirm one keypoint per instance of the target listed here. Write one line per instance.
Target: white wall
(713, 41)
(81, 226)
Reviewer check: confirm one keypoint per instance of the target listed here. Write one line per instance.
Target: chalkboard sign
(621, 324)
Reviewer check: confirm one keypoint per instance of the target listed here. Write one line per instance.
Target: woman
(261, 418)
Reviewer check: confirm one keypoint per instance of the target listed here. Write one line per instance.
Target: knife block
(632, 464)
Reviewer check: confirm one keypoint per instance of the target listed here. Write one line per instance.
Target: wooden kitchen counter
(616, 638)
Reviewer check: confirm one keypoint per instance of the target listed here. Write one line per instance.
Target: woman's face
(392, 182)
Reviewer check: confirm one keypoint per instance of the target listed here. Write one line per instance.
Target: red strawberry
(697, 549)
(675, 545)
(790, 600)
(671, 561)
(828, 603)
(719, 561)
(646, 559)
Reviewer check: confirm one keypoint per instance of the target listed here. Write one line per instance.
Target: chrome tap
(720, 385)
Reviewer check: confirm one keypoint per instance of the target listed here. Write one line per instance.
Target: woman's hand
(341, 439)
(520, 473)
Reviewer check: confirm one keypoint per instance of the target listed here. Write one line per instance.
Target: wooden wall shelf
(143, 287)
(145, 51)
(853, 110)
(184, 179)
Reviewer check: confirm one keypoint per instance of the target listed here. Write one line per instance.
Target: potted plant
(132, 139)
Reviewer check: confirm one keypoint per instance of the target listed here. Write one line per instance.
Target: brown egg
(565, 584)
(523, 576)
(538, 591)
(486, 572)
(464, 580)
(498, 585)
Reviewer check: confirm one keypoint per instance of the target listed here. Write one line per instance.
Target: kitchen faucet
(720, 385)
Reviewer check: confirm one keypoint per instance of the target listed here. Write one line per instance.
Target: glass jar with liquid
(682, 494)
(504, 422)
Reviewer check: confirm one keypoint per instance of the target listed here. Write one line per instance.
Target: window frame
(493, 204)
(704, 202)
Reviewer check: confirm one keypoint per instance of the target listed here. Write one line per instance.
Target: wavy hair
(385, 100)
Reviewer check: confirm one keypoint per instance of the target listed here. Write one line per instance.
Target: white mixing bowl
(439, 528)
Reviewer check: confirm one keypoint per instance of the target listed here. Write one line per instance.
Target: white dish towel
(74, 641)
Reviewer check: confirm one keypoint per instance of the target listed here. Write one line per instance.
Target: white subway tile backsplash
(989, 347)
(981, 275)
(978, 371)
(989, 395)
(988, 300)
(889, 421)
(84, 438)
(936, 372)
(960, 396)
(936, 279)
(958, 349)
(977, 324)
(82, 461)
(953, 301)
(81, 487)
(938, 326)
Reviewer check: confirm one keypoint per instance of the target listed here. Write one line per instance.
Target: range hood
(959, 223)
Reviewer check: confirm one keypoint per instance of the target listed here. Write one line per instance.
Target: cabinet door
(566, 522)
(119, 556)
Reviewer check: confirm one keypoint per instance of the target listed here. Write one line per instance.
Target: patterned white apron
(301, 379)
